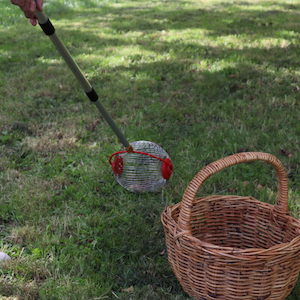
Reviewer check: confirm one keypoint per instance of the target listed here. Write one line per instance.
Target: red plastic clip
(117, 163)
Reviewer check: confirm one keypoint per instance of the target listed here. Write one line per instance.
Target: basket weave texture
(233, 247)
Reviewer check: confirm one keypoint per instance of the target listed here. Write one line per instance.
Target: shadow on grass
(171, 82)
(176, 98)
(222, 19)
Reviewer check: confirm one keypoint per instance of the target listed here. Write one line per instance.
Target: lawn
(202, 78)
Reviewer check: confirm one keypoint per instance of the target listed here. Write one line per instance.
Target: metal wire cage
(145, 168)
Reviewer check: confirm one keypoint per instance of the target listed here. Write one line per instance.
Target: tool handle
(49, 30)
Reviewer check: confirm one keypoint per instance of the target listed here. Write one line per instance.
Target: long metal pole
(49, 30)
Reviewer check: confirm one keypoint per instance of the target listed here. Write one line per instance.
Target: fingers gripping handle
(213, 168)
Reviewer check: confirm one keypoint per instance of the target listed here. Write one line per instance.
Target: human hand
(29, 7)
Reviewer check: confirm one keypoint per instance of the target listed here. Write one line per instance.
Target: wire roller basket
(233, 247)
(146, 167)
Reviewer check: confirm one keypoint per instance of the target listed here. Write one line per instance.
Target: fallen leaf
(163, 252)
(286, 153)
(93, 125)
(260, 186)
(128, 290)
(60, 136)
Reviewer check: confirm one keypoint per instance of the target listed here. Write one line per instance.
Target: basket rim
(232, 252)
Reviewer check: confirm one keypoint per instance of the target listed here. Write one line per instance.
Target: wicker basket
(233, 247)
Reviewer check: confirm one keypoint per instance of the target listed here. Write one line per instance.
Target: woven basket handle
(193, 187)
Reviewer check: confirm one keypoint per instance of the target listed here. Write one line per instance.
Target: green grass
(204, 79)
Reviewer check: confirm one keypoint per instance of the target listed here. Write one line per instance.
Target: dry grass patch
(18, 291)
(53, 140)
(33, 271)
(23, 235)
